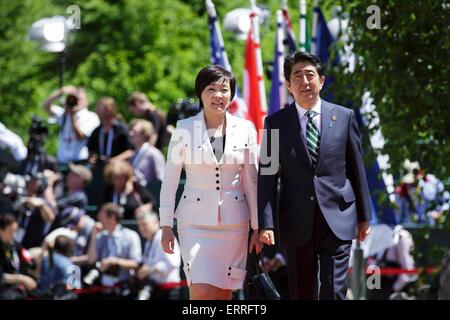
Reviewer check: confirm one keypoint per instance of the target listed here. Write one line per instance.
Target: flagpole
(262, 89)
(314, 28)
(302, 25)
(213, 15)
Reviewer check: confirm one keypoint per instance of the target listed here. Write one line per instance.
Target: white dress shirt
(69, 147)
(317, 108)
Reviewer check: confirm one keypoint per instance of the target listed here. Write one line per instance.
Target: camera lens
(71, 101)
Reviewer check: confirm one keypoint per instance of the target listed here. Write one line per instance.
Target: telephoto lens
(92, 275)
(145, 293)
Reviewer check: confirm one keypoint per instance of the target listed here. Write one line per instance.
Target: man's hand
(69, 90)
(28, 282)
(98, 227)
(108, 262)
(363, 230)
(34, 202)
(143, 272)
(267, 237)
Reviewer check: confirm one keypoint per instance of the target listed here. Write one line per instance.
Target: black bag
(260, 286)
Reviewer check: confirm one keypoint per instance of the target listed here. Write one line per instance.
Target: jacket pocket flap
(348, 195)
(236, 273)
(236, 195)
(192, 195)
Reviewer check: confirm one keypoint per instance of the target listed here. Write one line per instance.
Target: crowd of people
(60, 220)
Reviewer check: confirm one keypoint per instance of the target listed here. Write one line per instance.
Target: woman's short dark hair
(211, 74)
(6, 219)
(299, 56)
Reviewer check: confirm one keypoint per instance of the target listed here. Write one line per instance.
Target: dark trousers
(324, 252)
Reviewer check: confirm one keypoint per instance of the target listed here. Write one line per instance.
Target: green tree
(404, 66)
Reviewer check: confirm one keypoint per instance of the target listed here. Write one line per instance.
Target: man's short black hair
(6, 219)
(299, 56)
(63, 245)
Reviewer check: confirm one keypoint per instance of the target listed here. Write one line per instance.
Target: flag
(277, 97)
(322, 39)
(289, 39)
(219, 57)
(254, 91)
(304, 34)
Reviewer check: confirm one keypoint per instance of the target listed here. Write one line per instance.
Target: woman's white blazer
(216, 192)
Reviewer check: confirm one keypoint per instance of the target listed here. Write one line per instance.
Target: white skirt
(214, 255)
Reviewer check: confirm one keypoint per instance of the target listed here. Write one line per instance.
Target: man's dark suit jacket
(338, 183)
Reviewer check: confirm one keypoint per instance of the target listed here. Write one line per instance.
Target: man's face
(74, 181)
(136, 107)
(147, 227)
(305, 84)
(102, 217)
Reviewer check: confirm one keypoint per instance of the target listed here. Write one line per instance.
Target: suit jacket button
(198, 199)
(217, 168)
(217, 181)
(229, 274)
(229, 268)
(236, 198)
(217, 175)
(217, 188)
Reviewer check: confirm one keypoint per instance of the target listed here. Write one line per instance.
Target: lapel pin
(333, 117)
(330, 125)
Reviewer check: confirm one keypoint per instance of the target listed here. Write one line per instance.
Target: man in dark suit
(313, 147)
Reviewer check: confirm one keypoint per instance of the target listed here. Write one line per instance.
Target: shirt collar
(317, 108)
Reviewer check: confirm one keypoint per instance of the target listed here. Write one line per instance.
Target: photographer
(118, 249)
(76, 123)
(37, 159)
(15, 283)
(35, 211)
(158, 267)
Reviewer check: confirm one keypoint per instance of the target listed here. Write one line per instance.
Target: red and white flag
(254, 90)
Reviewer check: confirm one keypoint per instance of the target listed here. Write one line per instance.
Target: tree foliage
(404, 66)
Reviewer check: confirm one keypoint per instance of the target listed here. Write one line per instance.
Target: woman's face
(119, 181)
(7, 235)
(216, 97)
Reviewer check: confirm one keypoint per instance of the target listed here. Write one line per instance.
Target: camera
(38, 132)
(71, 101)
(183, 108)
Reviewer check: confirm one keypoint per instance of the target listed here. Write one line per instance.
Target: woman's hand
(167, 239)
(254, 242)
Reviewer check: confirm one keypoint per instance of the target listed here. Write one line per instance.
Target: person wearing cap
(77, 225)
(79, 176)
(38, 214)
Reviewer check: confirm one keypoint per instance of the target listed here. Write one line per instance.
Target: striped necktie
(312, 137)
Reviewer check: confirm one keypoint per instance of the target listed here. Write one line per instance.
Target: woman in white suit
(218, 153)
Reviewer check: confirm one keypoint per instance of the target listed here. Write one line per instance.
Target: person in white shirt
(158, 267)
(76, 123)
